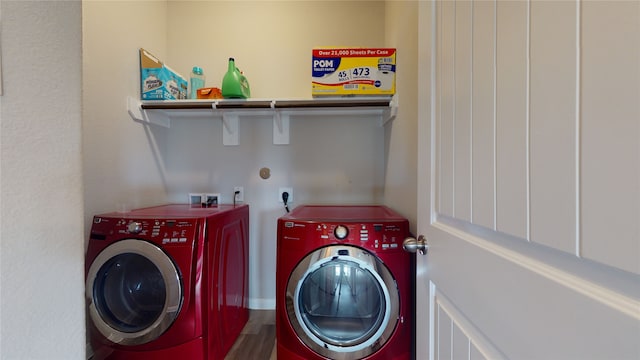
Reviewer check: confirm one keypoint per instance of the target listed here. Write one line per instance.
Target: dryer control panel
(161, 231)
(385, 236)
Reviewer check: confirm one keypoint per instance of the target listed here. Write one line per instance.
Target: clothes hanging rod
(265, 104)
(332, 104)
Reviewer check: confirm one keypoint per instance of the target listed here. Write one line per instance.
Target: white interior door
(529, 170)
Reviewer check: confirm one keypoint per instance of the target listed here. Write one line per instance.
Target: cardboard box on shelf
(209, 93)
(158, 81)
(353, 71)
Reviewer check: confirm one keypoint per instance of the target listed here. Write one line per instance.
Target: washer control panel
(162, 231)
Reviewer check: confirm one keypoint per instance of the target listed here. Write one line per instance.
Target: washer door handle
(413, 245)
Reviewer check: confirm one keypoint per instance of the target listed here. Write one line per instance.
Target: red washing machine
(167, 282)
(344, 284)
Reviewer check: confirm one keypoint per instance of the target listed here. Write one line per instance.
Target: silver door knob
(413, 245)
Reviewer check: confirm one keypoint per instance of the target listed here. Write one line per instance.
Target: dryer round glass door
(343, 302)
(134, 292)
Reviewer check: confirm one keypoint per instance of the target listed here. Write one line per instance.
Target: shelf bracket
(230, 129)
(134, 108)
(391, 113)
(280, 126)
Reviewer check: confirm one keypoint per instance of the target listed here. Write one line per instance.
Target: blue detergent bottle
(196, 82)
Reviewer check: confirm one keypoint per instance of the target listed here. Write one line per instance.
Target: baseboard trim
(262, 304)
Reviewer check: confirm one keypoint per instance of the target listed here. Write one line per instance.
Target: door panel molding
(529, 116)
(459, 329)
(604, 294)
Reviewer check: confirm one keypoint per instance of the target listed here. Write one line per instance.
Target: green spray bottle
(234, 83)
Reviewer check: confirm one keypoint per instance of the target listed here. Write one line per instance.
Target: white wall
(271, 41)
(120, 170)
(401, 135)
(41, 244)
(329, 160)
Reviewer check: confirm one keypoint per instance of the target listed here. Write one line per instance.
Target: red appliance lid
(173, 211)
(343, 213)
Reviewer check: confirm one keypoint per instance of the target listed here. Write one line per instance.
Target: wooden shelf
(161, 113)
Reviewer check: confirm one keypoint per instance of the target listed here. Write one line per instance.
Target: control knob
(134, 227)
(341, 232)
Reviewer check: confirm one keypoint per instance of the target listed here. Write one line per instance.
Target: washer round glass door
(343, 302)
(134, 292)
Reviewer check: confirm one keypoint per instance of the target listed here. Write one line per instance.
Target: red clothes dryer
(167, 282)
(344, 284)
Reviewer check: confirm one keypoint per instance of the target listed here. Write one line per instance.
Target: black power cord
(285, 200)
(235, 194)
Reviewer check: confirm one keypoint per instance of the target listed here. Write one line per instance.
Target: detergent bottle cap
(232, 65)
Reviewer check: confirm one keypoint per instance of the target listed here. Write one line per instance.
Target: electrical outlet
(240, 196)
(195, 199)
(212, 199)
(287, 190)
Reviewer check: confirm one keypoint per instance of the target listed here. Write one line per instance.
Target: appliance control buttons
(341, 232)
(134, 227)
(364, 234)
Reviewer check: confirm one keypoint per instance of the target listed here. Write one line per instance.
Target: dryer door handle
(414, 245)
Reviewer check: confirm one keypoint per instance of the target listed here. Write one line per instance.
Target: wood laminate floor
(258, 338)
